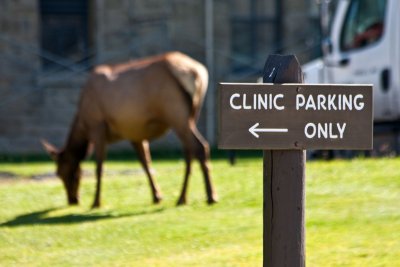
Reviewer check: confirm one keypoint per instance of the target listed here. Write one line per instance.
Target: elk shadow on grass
(43, 218)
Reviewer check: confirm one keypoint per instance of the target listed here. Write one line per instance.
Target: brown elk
(137, 101)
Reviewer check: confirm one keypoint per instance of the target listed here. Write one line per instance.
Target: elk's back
(140, 99)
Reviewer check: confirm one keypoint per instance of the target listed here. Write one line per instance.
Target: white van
(364, 48)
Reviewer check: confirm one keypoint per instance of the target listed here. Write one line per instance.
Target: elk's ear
(50, 149)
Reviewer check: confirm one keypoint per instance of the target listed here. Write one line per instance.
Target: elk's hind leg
(188, 160)
(195, 145)
(142, 148)
(202, 153)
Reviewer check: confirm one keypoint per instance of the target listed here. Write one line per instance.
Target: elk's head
(67, 169)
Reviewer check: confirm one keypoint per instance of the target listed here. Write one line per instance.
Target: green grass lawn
(352, 216)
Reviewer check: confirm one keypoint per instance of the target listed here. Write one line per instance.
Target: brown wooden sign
(295, 116)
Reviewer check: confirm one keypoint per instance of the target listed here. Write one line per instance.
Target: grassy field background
(352, 216)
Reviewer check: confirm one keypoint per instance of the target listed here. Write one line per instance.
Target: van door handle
(340, 63)
(385, 80)
(344, 62)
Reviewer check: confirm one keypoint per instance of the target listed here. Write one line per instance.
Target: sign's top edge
(294, 84)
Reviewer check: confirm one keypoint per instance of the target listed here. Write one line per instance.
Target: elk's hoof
(73, 201)
(96, 205)
(212, 201)
(181, 201)
(157, 200)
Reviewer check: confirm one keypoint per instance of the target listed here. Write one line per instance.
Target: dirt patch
(43, 176)
(7, 176)
(12, 177)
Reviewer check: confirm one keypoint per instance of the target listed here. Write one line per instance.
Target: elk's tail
(192, 76)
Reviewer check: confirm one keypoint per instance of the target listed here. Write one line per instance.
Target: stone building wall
(37, 103)
(301, 29)
(18, 70)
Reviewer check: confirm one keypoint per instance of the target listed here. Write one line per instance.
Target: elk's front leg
(100, 153)
(142, 148)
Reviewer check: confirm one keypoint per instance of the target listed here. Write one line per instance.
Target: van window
(364, 24)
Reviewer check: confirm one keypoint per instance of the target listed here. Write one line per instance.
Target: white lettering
(310, 103)
(347, 102)
(231, 101)
(329, 102)
(324, 130)
(244, 103)
(276, 100)
(331, 134)
(262, 102)
(341, 129)
(298, 102)
(256, 101)
(358, 105)
(270, 102)
(313, 130)
(321, 102)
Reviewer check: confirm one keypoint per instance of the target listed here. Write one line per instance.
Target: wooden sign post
(284, 117)
(284, 184)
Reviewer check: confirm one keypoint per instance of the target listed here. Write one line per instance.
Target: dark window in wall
(64, 33)
(255, 33)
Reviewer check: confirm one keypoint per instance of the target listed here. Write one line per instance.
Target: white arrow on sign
(253, 130)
